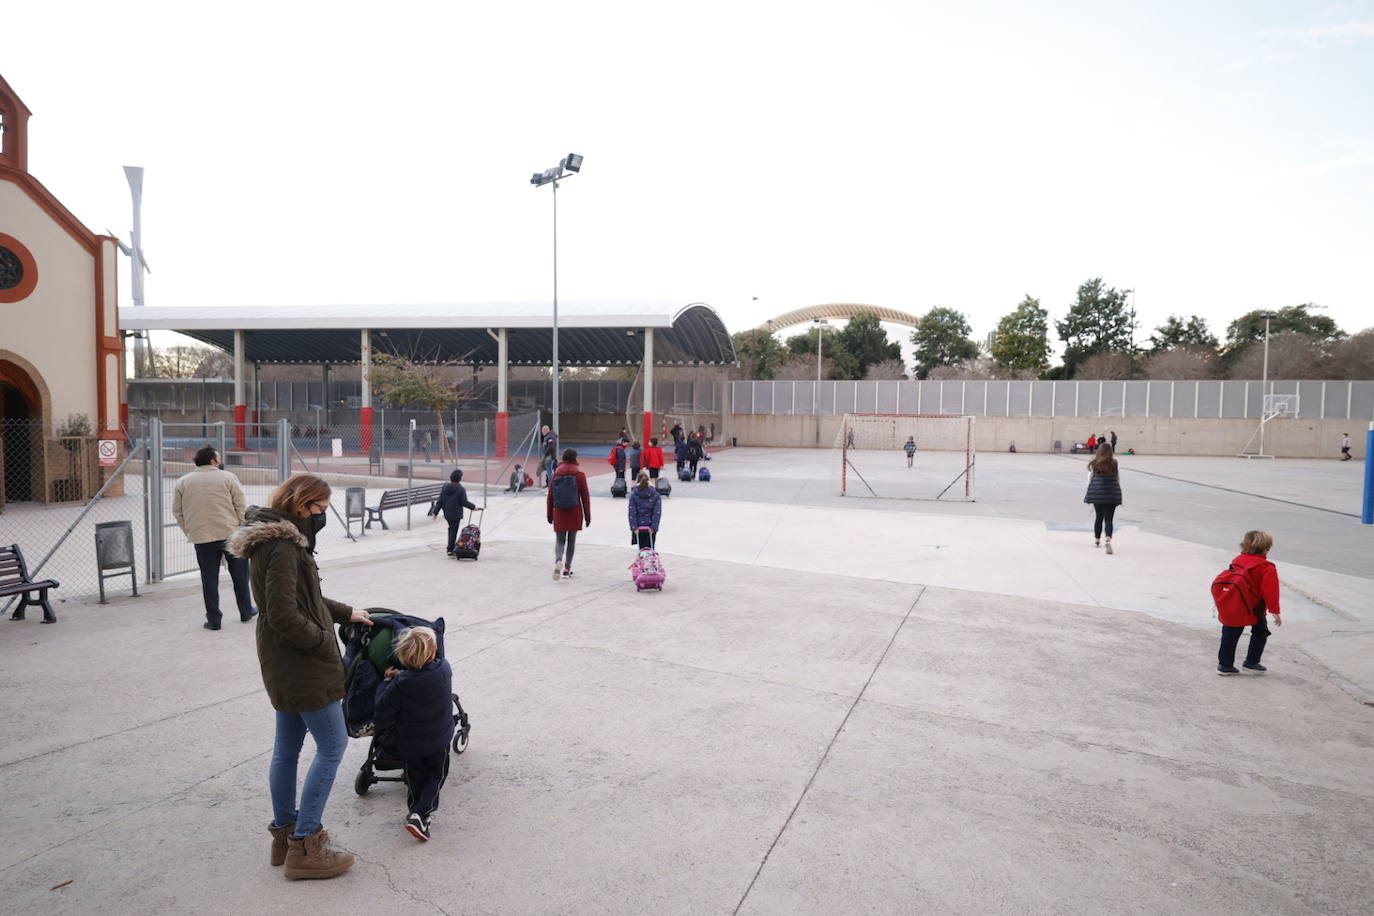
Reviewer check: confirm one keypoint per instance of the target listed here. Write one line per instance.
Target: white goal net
(905, 456)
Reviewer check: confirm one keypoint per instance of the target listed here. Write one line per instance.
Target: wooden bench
(395, 499)
(14, 580)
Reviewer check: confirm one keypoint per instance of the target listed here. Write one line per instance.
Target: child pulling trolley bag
(647, 569)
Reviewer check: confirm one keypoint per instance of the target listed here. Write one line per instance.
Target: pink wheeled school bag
(647, 569)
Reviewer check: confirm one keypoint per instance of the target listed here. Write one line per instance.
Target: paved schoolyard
(837, 706)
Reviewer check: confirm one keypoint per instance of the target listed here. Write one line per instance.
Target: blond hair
(297, 492)
(415, 647)
(1256, 542)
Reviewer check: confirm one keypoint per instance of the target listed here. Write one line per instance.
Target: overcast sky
(1214, 156)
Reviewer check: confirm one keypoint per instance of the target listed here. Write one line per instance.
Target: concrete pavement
(892, 708)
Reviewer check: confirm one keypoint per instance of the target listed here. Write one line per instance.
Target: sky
(1215, 157)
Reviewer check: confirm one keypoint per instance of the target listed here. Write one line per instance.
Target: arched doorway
(21, 435)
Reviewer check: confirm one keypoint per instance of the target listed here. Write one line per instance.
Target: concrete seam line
(826, 753)
(1213, 486)
(672, 664)
(131, 728)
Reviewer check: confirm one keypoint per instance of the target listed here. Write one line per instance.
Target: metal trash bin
(114, 550)
(355, 499)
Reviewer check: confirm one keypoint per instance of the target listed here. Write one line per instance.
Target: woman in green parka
(301, 667)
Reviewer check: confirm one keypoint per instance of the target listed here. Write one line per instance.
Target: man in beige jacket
(208, 504)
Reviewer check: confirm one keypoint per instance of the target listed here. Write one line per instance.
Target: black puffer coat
(414, 714)
(1104, 490)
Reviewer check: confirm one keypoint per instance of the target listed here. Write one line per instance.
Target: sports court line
(826, 754)
(1213, 486)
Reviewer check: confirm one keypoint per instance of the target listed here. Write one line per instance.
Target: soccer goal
(870, 456)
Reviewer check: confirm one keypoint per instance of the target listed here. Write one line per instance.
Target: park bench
(14, 580)
(395, 499)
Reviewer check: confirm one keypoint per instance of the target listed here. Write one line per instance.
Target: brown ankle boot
(279, 836)
(311, 857)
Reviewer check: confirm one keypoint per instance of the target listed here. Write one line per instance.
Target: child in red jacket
(1254, 561)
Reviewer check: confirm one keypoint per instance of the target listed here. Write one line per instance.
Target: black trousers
(208, 557)
(1103, 519)
(424, 778)
(453, 529)
(1230, 637)
(644, 539)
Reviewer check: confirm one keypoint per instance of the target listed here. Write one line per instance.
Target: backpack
(565, 494)
(1234, 594)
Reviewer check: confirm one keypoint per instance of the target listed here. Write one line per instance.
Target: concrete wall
(1153, 436)
(54, 328)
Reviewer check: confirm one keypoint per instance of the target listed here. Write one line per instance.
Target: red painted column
(365, 419)
(240, 433)
(123, 416)
(502, 434)
(648, 428)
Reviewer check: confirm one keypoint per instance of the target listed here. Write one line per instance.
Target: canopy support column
(502, 393)
(240, 403)
(648, 386)
(365, 413)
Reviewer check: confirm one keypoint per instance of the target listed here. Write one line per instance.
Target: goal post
(872, 457)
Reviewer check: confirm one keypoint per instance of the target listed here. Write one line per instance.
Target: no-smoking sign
(109, 453)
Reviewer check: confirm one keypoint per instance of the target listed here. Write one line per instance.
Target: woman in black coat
(1104, 492)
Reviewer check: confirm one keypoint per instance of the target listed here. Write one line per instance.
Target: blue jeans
(331, 739)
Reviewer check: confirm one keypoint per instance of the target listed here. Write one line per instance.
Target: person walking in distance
(569, 509)
(1263, 578)
(208, 505)
(1113, 440)
(453, 499)
(1104, 492)
(1345, 446)
(302, 669)
(634, 456)
(680, 453)
(653, 459)
(694, 452)
(910, 449)
(549, 453)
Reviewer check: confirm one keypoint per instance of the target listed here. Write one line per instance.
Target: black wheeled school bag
(665, 487)
(684, 474)
(469, 543)
(618, 487)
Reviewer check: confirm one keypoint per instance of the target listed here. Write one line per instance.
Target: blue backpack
(704, 475)
(565, 494)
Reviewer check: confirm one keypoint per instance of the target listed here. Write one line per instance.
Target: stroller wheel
(363, 782)
(460, 741)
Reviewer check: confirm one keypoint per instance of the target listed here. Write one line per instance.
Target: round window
(11, 269)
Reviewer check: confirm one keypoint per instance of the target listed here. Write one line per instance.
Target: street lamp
(821, 325)
(571, 164)
(1264, 384)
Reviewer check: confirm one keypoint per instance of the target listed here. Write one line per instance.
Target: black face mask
(318, 520)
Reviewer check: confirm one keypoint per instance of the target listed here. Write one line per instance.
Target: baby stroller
(367, 655)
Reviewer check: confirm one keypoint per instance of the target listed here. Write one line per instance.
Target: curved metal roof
(589, 333)
(839, 310)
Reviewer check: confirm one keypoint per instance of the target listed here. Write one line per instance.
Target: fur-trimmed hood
(264, 526)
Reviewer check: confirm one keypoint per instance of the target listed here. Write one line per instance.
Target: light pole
(1264, 384)
(821, 325)
(570, 164)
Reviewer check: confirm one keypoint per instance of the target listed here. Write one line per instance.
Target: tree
(800, 367)
(1104, 366)
(864, 339)
(759, 353)
(886, 370)
(407, 382)
(942, 339)
(1179, 333)
(840, 363)
(1022, 338)
(1181, 363)
(1099, 321)
(1249, 327)
(1292, 355)
(190, 361)
(1353, 358)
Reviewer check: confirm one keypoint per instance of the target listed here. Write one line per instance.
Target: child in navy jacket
(414, 717)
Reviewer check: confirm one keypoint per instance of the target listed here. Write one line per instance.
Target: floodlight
(573, 162)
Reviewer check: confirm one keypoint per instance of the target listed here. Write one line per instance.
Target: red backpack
(1234, 595)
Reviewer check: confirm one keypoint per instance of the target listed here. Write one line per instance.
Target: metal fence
(1194, 399)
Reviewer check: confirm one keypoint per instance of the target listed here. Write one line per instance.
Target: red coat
(1265, 577)
(653, 457)
(570, 519)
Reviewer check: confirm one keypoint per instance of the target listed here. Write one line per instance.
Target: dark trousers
(1230, 637)
(424, 778)
(453, 529)
(680, 462)
(1103, 519)
(564, 540)
(208, 558)
(645, 539)
(693, 463)
(653, 473)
